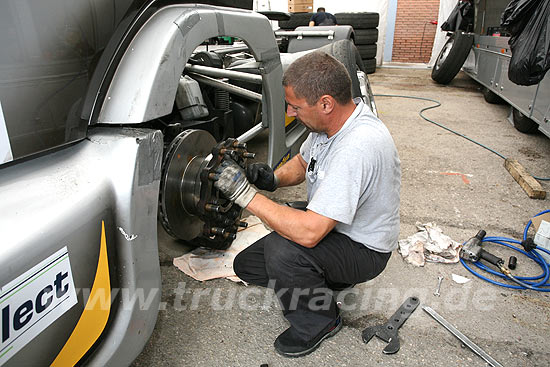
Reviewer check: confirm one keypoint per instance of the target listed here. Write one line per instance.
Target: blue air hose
(538, 283)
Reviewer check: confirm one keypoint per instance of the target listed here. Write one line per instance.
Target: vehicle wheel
(523, 123)
(296, 20)
(367, 51)
(370, 65)
(358, 20)
(491, 97)
(346, 52)
(366, 36)
(452, 57)
(190, 207)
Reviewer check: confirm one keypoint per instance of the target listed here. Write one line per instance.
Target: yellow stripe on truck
(95, 315)
(288, 119)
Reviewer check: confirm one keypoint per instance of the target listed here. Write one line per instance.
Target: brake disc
(190, 207)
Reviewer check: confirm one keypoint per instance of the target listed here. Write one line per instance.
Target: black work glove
(232, 183)
(262, 176)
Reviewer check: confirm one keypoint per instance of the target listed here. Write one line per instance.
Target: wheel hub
(444, 53)
(190, 207)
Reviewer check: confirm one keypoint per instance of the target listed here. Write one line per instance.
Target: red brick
(413, 32)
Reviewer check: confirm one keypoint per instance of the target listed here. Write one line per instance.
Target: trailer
(481, 48)
(529, 105)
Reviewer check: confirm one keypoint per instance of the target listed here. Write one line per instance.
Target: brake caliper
(191, 208)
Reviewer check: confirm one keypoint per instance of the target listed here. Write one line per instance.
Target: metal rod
(224, 73)
(463, 338)
(226, 86)
(230, 50)
(305, 33)
(256, 130)
(246, 66)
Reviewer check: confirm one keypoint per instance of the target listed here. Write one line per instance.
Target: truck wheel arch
(145, 81)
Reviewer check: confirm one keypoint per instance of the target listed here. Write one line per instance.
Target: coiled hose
(537, 283)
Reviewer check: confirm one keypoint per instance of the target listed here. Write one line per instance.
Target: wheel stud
(218, 230)
(212, 208)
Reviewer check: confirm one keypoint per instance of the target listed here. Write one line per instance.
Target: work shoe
(289, 345)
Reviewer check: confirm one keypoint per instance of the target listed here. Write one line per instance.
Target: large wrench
(388, 331)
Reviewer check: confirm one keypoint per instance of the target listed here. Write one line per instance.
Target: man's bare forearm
(292, 173)
(306, 228)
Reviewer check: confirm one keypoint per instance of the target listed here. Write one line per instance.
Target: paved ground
(220, 323)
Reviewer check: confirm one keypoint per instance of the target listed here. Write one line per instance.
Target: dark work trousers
(304, 278)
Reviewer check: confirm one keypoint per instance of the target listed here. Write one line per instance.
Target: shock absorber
(221, 99)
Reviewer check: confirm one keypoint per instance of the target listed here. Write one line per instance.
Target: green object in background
(226, 40)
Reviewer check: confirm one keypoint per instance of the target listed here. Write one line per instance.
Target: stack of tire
(365, 26)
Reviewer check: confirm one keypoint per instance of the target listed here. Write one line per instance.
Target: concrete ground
(221, 323)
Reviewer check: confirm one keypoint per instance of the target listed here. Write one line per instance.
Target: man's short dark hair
(320, 9)
(316, 74)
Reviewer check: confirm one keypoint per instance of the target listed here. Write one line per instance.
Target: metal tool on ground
(388, 331)
(463, 338)
(439, 280)
(472, 251)
(512, 262)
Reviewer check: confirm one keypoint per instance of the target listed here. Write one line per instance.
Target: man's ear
(327, 103)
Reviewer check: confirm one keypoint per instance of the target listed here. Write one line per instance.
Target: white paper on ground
(429, 244)
(460, 279)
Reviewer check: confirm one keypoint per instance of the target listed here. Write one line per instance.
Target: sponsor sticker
(5, 147)
(34, 300)
(283, 160)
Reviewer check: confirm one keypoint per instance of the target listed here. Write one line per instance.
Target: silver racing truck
(113, 117)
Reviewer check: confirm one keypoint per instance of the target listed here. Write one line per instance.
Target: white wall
(335, 6)
(445, 8)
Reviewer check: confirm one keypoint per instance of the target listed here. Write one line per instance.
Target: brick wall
(412, 21)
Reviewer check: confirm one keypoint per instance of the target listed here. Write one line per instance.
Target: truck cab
(112, 117)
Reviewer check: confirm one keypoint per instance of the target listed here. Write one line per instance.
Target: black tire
(491, 97)
(366, 36)
(452, 57)
(523, 123)
(370, 65)
(346, 52)
(358, 20)
(367, 51)
(296, 20)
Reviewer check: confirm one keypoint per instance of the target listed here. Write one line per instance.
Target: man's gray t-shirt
(354, 177)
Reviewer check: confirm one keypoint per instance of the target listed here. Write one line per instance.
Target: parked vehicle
(112, 118)
(484, 45)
